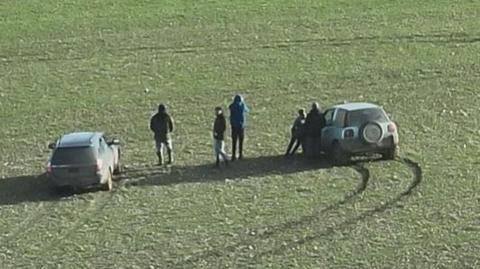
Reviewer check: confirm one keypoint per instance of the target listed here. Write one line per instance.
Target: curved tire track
(417, 177)
(269, 231)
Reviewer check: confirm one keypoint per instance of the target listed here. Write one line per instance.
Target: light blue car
(356, 129)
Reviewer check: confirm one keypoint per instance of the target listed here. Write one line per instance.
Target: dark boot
(217, 162)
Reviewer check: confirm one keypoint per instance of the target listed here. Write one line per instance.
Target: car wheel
(390, 154)
(339, 156)
(118, 169)
(108, 186)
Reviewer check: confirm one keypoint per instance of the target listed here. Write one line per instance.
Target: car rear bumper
(358, 146)
(77, 182)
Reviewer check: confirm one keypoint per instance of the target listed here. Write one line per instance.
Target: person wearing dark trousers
(298, 133)
(162, 126)
(314, 124)
(238, 110)
(219, 127)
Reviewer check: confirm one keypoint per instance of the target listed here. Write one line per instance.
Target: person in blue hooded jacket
(238, 111)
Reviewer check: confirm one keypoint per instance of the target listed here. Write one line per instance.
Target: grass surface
(86, 65)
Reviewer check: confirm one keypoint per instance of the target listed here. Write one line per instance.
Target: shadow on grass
(36, 188)
(240, 169)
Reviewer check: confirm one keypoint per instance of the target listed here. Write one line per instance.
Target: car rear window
(83, 155)
(360, 117)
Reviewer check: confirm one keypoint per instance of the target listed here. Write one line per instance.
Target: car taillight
(49, 168)
(98, 166)
(392, 128)
(348, 133)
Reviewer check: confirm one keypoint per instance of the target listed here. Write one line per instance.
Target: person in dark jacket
(238, 111)
(314, 124)
(298, 133)
(162, 126)
(219, 127)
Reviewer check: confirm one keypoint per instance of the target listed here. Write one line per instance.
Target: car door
(329, 129)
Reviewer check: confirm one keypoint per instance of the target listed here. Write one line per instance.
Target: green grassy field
(85, 65)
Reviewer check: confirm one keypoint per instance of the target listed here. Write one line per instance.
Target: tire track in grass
(227, 47)
(40, 212)
(417, 177)
(94, 207)
(89, 208)
(48, 221)
(271, 230)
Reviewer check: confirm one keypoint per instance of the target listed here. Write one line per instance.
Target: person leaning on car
(298, 134)
(162, 125)
(314, 124)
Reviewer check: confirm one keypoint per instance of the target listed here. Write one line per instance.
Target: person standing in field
(162, 126)
(298, 133)
(314, 124)
(238, 111)
(219, 127)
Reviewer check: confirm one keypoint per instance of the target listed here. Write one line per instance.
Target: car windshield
(360, 117)
(80, 155)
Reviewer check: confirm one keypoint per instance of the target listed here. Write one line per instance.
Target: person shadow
(37, 188)
(258, 167)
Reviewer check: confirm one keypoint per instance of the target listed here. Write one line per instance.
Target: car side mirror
(52, 145)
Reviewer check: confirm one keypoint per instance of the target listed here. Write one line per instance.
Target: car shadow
(241, 169)
(33, 188)
(37, 188)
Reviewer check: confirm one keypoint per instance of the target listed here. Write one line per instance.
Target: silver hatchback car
(82, 160)
(358, 128)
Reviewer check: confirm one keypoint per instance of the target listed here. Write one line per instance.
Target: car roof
(356, 106)
(78, 139)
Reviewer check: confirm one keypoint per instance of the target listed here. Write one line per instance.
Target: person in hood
(298, 133)
(219, 127)
(238, 111)
(314, 124)
(162, 126)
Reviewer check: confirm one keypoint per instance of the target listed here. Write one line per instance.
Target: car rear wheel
(339, 156)
(108, 185)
